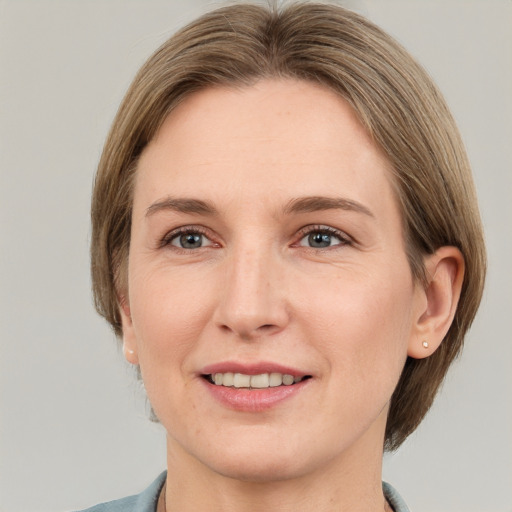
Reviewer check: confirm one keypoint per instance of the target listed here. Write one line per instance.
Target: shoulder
(394, 499)
(127, 504)
(146, 501)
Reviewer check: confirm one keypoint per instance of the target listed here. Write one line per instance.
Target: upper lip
(255, 368)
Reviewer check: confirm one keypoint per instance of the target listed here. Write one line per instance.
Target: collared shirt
(147, 500)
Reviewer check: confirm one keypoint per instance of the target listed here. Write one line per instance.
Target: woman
(286, 239)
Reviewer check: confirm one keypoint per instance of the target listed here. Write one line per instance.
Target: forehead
(293, 138)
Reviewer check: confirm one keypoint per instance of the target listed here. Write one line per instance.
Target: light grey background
(73, 427)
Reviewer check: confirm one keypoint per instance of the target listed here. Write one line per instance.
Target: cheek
(168, 313)
(363, 323)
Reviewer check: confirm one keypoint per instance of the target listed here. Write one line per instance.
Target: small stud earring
(425, 344)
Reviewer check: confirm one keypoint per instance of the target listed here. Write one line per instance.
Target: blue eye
(322, 238)
(189, 240)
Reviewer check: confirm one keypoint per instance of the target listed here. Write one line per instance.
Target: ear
(129, 340)
(445, 274)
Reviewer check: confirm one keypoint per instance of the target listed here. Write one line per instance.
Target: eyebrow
(319, 203)
(182, 205)
(298, 205)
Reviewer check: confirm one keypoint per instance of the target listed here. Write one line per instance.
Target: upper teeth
(263, 380)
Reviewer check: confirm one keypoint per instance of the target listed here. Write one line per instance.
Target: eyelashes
(322, 237)
(187, 239)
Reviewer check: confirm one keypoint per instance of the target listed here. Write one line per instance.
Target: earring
(425, 344)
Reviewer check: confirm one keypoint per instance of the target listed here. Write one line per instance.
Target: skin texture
(347, 314)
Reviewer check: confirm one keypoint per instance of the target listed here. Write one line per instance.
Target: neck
(352, 483)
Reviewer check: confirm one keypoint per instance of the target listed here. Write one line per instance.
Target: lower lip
(254, 400)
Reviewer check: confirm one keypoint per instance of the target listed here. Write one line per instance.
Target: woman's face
(267, 242)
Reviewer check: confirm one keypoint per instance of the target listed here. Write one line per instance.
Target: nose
(253, 301)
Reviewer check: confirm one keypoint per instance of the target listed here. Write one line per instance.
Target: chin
(259, 471)
(265, 459)
(237, 455)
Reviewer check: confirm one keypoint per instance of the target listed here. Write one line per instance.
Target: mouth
(259, 381)
(254, 387)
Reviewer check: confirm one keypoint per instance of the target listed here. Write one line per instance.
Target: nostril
(266, 329)
(245, 332)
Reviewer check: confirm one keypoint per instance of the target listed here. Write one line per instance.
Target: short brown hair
(395, 100)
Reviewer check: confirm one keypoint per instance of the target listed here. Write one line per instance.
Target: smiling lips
(253, 387)
(260, 381)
